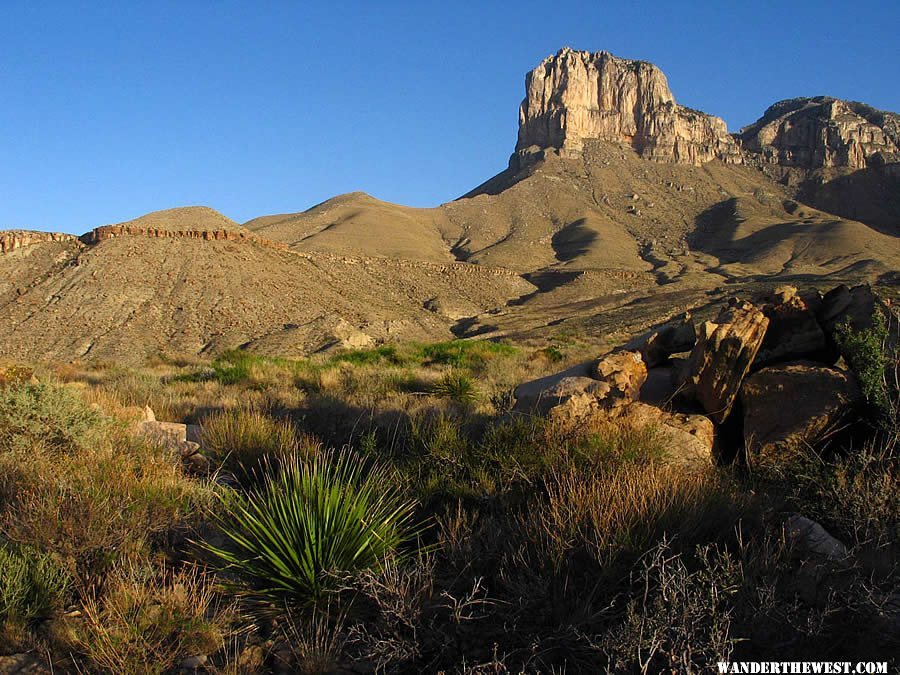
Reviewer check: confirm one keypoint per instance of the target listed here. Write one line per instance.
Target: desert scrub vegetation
(376, 515)
(80, 497)
(874, 359)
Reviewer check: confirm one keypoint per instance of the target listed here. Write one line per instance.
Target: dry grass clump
(240, 440)
(625, 508)
(149, 619)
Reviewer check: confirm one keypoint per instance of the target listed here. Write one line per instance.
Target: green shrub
(309, 520)
(32, 585)
(240, 440)
(867, 353)
(457, 387)
(45, 417)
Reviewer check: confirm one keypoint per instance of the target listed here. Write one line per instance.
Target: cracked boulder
(722, 356)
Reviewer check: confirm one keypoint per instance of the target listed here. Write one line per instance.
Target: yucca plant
(457, 387)
(310, 520)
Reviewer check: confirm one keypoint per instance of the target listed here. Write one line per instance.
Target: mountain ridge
(615, 195)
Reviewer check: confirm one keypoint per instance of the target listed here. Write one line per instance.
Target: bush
(32, 585)
(76, 486)
(682, 621)
(240, 440)
(37, 417)
(310, 520)
(867, 352)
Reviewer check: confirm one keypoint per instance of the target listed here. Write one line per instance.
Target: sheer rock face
(10, 240)
(813, 133)
(574, 96)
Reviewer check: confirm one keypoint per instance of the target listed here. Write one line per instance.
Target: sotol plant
(310, 520)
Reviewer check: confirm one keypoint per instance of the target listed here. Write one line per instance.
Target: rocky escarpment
(813, 133)
(574, 96)
(10, 240)
(105, 232)
(190, 222)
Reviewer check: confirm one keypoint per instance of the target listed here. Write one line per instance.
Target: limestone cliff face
(573, 96)
(10, 240)
(813, 133)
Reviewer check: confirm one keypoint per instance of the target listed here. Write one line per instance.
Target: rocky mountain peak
(574, 95)
(812, 133)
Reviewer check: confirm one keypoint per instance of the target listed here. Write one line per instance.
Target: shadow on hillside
(573, 241)
(871, 196)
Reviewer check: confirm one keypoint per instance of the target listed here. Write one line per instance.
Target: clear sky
(111, 110)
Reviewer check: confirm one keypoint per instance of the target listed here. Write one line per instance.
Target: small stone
(194, 662)
(811, 538)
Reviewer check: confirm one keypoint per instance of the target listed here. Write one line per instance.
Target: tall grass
(148, 619)
(241, 440)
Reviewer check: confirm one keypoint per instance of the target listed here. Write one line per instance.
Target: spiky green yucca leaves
(311, 519)
(457, 387)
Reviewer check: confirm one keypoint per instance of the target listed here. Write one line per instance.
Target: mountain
(618, 206)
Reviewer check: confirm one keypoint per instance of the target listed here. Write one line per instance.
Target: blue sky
(111, 110)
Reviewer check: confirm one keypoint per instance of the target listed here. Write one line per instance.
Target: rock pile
(770, 369)
(183, 439)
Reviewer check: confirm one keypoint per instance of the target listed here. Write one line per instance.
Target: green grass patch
(362, 357)
(463, 353)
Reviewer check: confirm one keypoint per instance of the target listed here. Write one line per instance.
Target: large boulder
(721, 358)
(855, 307)
(574, 401)
(660, 387)
(689, 440)
(793, 332)
(846, 306)
(624, 372)
(793, 406)
(673, 337)
(534, 396)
